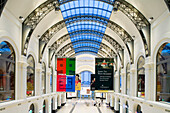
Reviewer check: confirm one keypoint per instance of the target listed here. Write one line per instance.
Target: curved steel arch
(111, 54)
(118, 30)
(56, 44)
(63, 49)
(41, 11)
(85, 53)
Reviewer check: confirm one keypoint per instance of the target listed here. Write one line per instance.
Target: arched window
(126, 107)
(141, 77)
(7, 72)
(32, 109)
(30, 76)
(138, 110)
(85, 80)
(52, 104)
(120, 80)
(44, 107)
(51, 80)
(43, 78)
(128, 79)
(163, 73)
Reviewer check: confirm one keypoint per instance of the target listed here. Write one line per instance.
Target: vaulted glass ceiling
(86, 22)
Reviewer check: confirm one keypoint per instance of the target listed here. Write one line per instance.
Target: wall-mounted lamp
(38, 36)
(133, 37)
(150, 19)
(21, 18)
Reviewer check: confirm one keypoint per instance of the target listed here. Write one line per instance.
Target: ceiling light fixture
(150, 19)
(21, 18)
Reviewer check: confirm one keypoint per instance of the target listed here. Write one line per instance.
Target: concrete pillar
(116, 105)
(116, 82)
(64, 98)
(55, 104)
(107, 98)
(59, 101)
(48, 74)
(54, 82)
(133, 81)
(112, 100)
(149, 75)
(38, 81)
(21, 78)
(121, 106)
(123, 82)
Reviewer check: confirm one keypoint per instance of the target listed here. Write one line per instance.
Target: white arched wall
(85, 68)
(85, 62)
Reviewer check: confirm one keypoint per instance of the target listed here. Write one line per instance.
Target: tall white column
(133, 81)
(123, 82)
(116, 105)
(64, 98)
(116, 82)
(112, 100)
(149, 75)
(107, 98)
(38, 81)
(21, 82)
(48, 75)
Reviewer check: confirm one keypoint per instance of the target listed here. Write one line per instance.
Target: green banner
(70, 66)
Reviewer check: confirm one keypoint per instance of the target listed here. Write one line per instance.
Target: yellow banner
(78, 86)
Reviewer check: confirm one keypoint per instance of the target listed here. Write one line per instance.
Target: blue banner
(70, 83)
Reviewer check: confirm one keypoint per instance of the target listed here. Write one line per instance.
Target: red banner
(61, 83)
(61, 66)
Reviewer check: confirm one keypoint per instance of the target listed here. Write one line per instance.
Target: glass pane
(141, 77)
(43, 78)
(141, 85)
(128, 84)
(100, 12)
(51, 80)
(128, 79)
(6, 51)
(30, 61)
(7, 72)
(31, 110)
(30, 76)
(120, 81)
(141, 62)
(163, 73)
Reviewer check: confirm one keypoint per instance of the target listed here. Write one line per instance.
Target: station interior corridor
(54, 51)
(85, 106)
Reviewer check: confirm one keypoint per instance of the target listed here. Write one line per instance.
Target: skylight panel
(81, 29)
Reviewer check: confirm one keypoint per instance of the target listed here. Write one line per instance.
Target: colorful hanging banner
(65, 83)
(104, 73)
(70, 83)
(61, 83)
(70, 66)
(65, 74)
(61, 66)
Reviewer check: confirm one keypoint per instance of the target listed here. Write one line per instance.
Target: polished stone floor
(84, 106)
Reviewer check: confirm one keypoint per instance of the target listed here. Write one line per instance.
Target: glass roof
(86, 45)
(86, 21)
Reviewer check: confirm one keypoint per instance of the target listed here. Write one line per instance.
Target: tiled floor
(83, 106)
